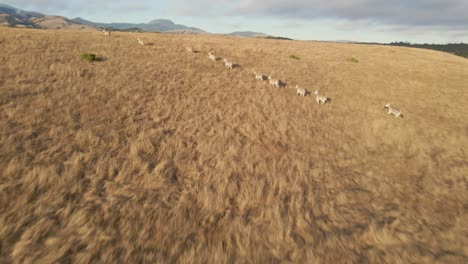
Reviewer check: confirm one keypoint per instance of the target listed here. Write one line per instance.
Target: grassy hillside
(156, 155)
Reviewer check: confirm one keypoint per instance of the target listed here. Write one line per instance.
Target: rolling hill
(157, 155)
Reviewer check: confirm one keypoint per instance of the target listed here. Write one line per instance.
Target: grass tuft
(294, 57)
(89, 57)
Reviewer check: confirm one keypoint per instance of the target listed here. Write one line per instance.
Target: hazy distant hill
(157, 25)
(460, 49)
(278, 38)
(9, 10)
(13, 17)
(10, 16)
(250, 34)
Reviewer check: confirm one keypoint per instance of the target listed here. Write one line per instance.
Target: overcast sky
(422, 21)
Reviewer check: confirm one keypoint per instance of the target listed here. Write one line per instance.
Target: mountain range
(157, 25)
(13, 17)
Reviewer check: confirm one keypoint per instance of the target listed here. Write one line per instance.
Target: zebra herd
(320, 99)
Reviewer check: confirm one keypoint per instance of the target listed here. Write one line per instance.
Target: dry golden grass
(156, 155)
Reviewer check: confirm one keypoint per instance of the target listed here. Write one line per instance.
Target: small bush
(89, 57)
(353, 60)
(294, 57)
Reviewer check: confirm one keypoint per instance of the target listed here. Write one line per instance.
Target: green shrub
(294, 57)
(353, 60)
(89, 57)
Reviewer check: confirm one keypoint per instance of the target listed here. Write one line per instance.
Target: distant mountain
(459, 49)
(13, 17)
(249, 34)
(9, 10)
(158, 25)
(277, 38)
(10, 16)
(186, 31)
